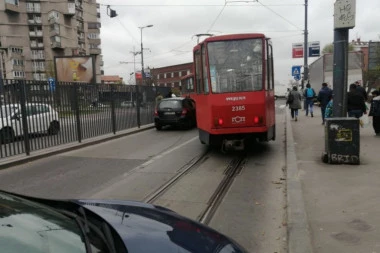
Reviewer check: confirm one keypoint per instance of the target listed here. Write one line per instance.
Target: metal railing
(35, 115)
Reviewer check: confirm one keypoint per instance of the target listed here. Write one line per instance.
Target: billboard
(75, 69)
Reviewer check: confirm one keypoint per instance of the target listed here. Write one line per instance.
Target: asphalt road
(133, 167)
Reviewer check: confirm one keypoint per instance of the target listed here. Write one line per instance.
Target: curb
(39, 154)
(299, 238)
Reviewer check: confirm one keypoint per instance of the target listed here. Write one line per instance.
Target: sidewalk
(331, 208)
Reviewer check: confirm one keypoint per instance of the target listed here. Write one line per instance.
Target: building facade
(170, 76)
(33, 32)
(112, 80)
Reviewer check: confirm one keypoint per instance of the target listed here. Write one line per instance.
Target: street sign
(51, 82)
(314, 49)
(297, 50)
(344, 14)
(296, 70)
(297, 77)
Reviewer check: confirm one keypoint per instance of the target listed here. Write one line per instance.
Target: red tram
(234, 90)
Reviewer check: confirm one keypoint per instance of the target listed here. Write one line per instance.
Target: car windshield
(235, 65)
(30, 227)
(173, 104)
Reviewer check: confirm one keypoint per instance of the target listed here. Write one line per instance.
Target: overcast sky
(175, 22)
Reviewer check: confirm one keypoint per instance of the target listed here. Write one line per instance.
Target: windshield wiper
(83, 226)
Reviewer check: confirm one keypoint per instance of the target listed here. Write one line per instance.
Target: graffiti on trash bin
(344, 135)
(348, 159)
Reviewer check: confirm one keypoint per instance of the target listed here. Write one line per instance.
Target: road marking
(155, 158)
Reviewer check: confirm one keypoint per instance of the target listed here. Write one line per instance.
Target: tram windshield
(236, 65)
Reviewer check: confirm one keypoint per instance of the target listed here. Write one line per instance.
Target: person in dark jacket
(361, 90)
(323, 98)
(355, 102)
(294, 102)
(374, 111)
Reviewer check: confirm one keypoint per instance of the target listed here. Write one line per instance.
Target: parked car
(176, 111)
(98, 105)
(41, 118)
(35, 225)
(127, 104)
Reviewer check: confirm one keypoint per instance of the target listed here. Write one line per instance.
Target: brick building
(111, 80)
(169, 76)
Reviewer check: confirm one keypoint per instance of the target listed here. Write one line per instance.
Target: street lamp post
(142, 76)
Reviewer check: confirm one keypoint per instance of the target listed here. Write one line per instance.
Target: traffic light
(110, 12)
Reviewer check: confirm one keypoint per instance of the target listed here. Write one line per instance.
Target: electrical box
(344, 14)
(342, 141)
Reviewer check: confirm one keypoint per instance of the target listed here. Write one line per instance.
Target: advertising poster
(75, 69)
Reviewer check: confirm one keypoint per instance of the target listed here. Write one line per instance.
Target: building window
(18, 74)
(33, 7)
(16, 50)
(14, 2)
(18, 62)
(93, 36)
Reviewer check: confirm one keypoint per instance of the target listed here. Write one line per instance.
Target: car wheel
(158, 127)
(54, 128)
(7, 135)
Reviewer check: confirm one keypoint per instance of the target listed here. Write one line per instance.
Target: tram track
(233, 169)
(187, 168)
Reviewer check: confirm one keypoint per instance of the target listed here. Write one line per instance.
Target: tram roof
(234, 37)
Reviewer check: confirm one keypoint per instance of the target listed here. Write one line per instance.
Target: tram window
(236, 66)
(198, 71)
(205, 72)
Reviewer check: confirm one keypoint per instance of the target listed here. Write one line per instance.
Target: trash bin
(342, 141)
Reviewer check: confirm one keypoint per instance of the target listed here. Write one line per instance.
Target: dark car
(36, 225)
(176, 111)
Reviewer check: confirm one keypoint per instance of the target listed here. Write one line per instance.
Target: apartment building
(33, 32)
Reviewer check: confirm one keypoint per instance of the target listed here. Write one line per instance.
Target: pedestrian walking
(355, 103)
(374, 111)
(294, 102)
(361, 90)
(309, 96)
(329, 108)
(323, 98)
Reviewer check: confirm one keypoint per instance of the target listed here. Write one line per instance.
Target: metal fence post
(113, 113)
(24, 120)
(77, 111)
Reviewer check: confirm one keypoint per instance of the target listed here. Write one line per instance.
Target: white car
(41, 118)
(127, 104)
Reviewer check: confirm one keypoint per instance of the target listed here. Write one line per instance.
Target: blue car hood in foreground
(148, 228)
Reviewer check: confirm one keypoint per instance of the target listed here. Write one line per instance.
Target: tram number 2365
(238, 108)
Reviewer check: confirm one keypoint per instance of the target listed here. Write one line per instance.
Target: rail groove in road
(233, 169)
(188, 167)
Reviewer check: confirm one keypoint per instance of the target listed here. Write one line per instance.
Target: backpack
(310, 93)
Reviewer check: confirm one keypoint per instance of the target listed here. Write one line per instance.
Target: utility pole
(306, 51)
(344, 19)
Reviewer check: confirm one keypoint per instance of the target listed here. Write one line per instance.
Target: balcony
(70, 9)
(32, 33)
(95, 51)
(80, 29)
(12, 8)
(56, 45)
(81, 40)
(54, 32)
(39, 34)
(94, 41)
